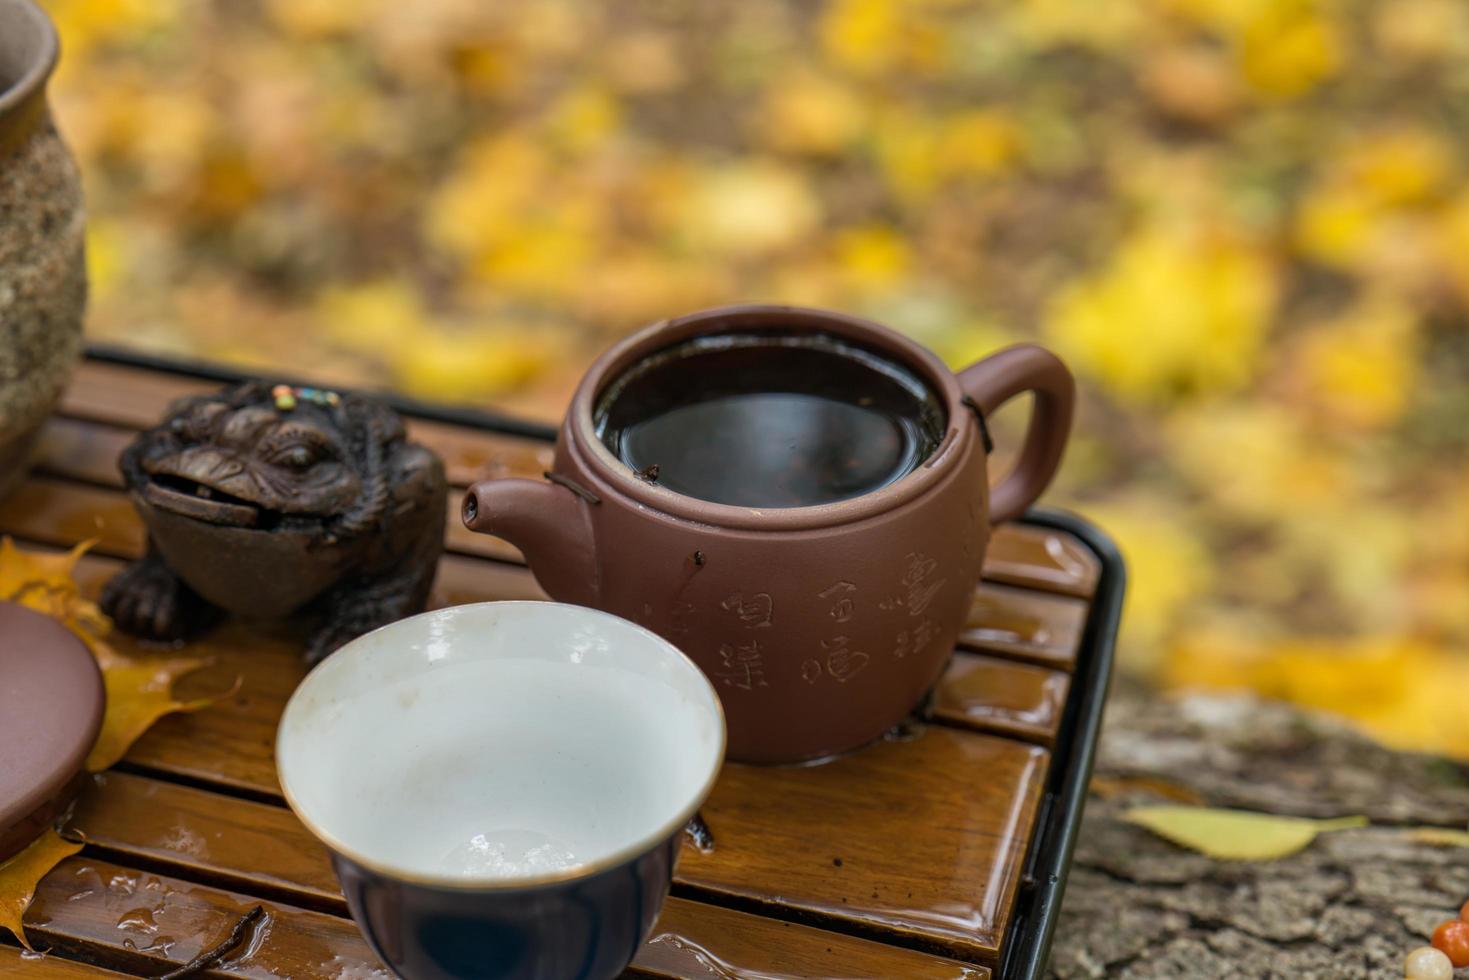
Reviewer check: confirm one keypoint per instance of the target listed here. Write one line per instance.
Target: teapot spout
(550, 525)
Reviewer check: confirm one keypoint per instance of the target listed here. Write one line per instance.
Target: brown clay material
(262, 507)
(821, 626)
(51, 701)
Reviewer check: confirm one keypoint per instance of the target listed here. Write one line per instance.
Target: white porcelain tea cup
(503, 786)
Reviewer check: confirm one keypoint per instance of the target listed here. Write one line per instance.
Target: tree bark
(1350, 905)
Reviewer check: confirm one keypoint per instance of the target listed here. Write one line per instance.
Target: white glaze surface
(504, 741)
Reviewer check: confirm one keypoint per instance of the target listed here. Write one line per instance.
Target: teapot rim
(579, 431)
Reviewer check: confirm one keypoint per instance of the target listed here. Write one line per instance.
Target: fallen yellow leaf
(139, 692)
(21, 874)
(1235, 835)
(44, 582)
(1439, 837)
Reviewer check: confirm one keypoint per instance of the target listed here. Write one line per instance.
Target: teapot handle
(997, 379)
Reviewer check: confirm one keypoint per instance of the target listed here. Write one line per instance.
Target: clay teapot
(821, 626)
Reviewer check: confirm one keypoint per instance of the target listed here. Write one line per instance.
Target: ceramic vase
(43, 284)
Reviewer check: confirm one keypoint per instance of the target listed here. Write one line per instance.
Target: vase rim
(38, 48)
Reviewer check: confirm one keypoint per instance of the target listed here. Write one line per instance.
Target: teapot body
(821, 626)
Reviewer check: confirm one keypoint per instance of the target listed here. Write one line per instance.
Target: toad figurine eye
(296, 457)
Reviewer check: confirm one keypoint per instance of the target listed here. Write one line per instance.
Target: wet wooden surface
(898, 861)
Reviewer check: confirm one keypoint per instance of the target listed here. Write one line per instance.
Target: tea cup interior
(501, 743)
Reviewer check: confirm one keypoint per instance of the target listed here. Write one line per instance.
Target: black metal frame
(1027, 944)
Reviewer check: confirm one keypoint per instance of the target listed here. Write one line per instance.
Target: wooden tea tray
(937, 853)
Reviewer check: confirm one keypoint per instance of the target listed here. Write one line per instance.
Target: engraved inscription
(916, 640)
(918, 585)
(918, 582)
(842, 662)
(743, 666)
(842, 609)
(811, 671)
(755, 611)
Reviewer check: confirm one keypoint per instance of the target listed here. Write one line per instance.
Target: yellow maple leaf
(1235, 835)
(312, 19)
(807, 112)
(1438, 836)
(1418, 30)
(583, 118)
(979, 142)
(1047, 23)
(874, 256)
(465, 366)
(1175, 312)
(751, 207)
(479, 204)
(1284, 54)
(1362, 369)
(1452, 238)
(1252, 458)
(20, 875)
(1335, 224)
(906, 145)
(1405, 693)
(370, 317)
(872, 37)
(43, 581)
(1402, 165)
(1169, 568)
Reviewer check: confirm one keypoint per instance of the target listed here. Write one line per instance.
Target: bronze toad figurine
(264, 501)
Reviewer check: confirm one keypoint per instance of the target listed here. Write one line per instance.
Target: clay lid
(51, 700)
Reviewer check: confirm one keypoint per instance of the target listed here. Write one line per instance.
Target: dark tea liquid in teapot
(770, 419)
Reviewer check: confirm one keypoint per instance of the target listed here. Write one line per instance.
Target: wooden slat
(62, 513)
(1025, 625)
(16, 962)
(132, 398)
(699, 941)
(924, 838)
(258, 849)
(138, 922)
(1003, 697)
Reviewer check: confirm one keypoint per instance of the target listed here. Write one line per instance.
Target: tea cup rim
(629, 852)
(580, 437)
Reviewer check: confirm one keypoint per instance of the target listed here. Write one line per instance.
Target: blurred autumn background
(1244, 222)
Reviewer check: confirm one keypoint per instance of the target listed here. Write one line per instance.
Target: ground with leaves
(1244, 222)
(1350, 905)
